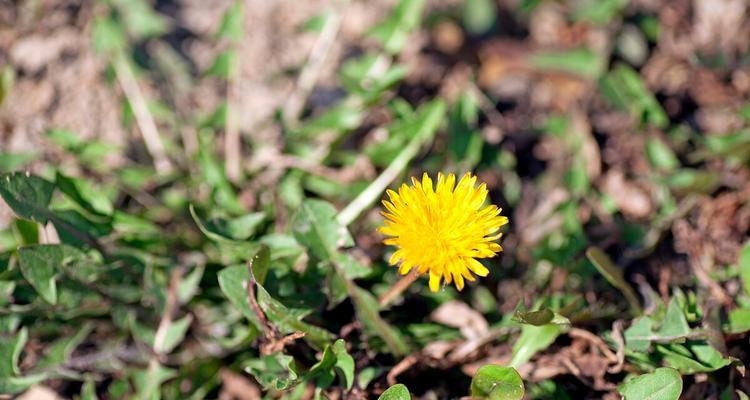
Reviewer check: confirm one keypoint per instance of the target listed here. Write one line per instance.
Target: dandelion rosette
(442, 229)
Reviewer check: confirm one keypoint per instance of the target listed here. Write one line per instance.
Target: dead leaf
(459, 315)
(237, 387)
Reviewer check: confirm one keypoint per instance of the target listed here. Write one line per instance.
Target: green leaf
(674, 323)
(344, 363)
(662, 384)
(623, 87)
(495, 382)
(60, 351)
(108, 35)
(148, 381)
(540, 317)
(88, 196)
(140, 19)
(342, 117)
(479, 16)
(40, 265)
(176, 334)
(639, 335)
(229, 230)
(233, 282)
(599, 12)
(738, 321)
(189, 285)
(231, 24)
(368, 312)
(660, 155)
(396, 392)
(224, 64)
(275, 371)
(10, 351)
(393, 32)
(532, 340)
(614, 276)
(744, 264)
(315, 226)
(688, 180)
(27, 231)
(27, 195)
(17, 384)
(88, 390)
(693, 357)
(289, 320)
(581, 62)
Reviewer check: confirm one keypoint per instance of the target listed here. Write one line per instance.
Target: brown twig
(402, 366)
(398, 288)
(620, 341)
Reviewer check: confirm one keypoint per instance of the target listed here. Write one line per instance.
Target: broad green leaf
(148, 381)
(229, 230)
(88, 390)
(233, 283)
(479, 16)
(639, 335)
(614, 276)
(693, 357)
(738, 321)
(744, 264)
(40, 265)
(532, 340)
(17, 384)
(623, 87)
(290, 320)
(344, 362)
(674, 323)
(495, 382)
(108, 35)
(368, 312)
(662, 384)
(540, 317)
(6, 291)
(27, 195)
(688, 180)
(315, 227)
(10, 351)
(27, 231)
(81, 191)
(176, 334)
(393, 32)
(14, 161)
(600, 12)
(660, 155)
(396, 392)
(322, 372)
(189, 285)
(275, 371)
(60, 351)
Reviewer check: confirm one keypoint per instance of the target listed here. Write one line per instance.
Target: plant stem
(143, 117)
(398, 288)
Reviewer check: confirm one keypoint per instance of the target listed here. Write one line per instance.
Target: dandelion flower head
(442, 228)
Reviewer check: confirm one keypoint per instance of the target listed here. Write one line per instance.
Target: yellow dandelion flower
(442, 229)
